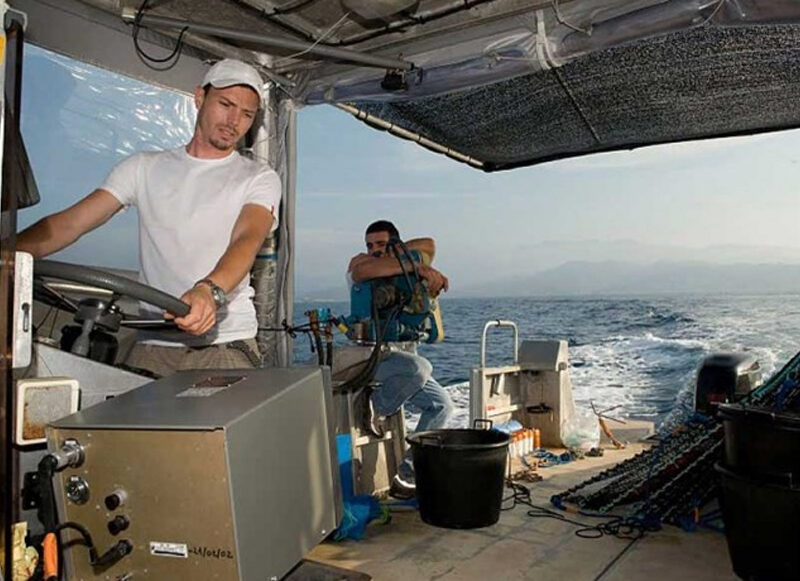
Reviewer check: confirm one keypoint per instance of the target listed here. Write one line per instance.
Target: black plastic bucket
(762, 526)
(763, 442)
(459, 476)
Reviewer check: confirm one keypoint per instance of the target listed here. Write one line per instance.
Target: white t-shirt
(187, 209)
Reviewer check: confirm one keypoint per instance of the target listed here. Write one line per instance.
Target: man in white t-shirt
(204, 211)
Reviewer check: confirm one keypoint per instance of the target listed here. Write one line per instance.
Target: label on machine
(179, 550)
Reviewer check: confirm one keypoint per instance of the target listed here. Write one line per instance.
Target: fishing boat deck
(520, 547)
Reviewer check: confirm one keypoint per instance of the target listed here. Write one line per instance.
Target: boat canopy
(494, 83)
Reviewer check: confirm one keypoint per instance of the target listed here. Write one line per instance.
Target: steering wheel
(105, 313)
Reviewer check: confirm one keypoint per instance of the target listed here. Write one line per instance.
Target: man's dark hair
(383, 226)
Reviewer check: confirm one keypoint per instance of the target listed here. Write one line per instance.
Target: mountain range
(605, 267)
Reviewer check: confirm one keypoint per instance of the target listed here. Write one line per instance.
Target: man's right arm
(364, 267)
(56, 231)
(426, 246)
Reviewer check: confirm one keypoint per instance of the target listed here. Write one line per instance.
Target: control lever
(114, 554)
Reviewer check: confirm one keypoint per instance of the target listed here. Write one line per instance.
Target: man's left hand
(202, 311)
(437, 282)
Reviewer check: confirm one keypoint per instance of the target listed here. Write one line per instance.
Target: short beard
(221, 145)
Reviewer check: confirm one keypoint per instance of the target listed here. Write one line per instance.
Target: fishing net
(672, 480)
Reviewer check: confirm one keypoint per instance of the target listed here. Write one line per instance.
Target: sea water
(638, 353)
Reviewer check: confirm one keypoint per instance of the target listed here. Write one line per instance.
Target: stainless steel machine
(206, 474)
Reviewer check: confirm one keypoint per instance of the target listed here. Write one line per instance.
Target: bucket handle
(478, 422)
(434, 440)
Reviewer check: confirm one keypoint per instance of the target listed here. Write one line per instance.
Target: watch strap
(219, 296)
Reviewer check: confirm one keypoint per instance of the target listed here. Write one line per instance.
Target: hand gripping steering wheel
(104, 313)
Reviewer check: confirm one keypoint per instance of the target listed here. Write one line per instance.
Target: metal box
(222, 474)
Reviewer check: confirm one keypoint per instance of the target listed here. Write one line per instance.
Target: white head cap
(230, 72)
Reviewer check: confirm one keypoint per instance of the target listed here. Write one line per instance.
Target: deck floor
(522, 548)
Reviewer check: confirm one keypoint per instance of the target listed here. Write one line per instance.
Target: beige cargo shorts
(163, 361)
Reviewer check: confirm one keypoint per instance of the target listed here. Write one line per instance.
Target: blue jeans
(406, 377)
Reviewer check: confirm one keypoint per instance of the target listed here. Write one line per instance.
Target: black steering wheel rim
(112, 282)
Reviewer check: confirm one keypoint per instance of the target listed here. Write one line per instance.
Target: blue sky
(665, 201)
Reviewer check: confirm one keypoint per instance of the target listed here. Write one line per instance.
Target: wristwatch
(219, 296)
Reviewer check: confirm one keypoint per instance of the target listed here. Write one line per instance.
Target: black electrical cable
(290, 329)
(320, 350)
(117, 551)
(409, 19)
(47, 505)
(407, 254)
(147, 59)
(87, 538)
(391, 245)
(313, 322)
(329, 344)
(368, 372)
(616, 526)
(287, 8)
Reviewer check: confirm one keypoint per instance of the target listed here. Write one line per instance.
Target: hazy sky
(737, 191)
(78, 121)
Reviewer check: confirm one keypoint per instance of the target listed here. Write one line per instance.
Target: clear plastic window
(78, 121)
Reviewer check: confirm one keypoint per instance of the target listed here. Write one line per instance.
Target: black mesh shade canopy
(705, 82)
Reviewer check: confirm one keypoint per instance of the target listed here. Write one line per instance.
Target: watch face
(219, 296)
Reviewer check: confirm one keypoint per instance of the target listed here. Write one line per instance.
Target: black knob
(118, 524)
(114, 500)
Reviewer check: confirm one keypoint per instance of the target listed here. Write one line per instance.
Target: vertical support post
(286, 252)
(10, 82)
(273, 270)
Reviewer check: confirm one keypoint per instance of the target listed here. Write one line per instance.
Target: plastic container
(459, 476)
(763, 442)
(761, 525)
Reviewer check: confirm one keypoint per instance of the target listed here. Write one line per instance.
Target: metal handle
(482, 422)
(433, 438)
(499, 323)
(26, 317)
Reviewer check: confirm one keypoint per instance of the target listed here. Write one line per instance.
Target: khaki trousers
(167, 360)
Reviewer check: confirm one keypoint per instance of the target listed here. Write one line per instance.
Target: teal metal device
(404, 309)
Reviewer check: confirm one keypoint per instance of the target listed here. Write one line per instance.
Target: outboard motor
(725, 377)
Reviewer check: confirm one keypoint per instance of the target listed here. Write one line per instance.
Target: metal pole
(409, 135)
(337, 54)
(499, 323)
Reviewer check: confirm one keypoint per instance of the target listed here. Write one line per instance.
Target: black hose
(47, 506)
(320, 350)
(148, 60)
(329, 345)
(368, 372)
(392, 245)
(313, 321)
(410, 258)
(87, 538)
